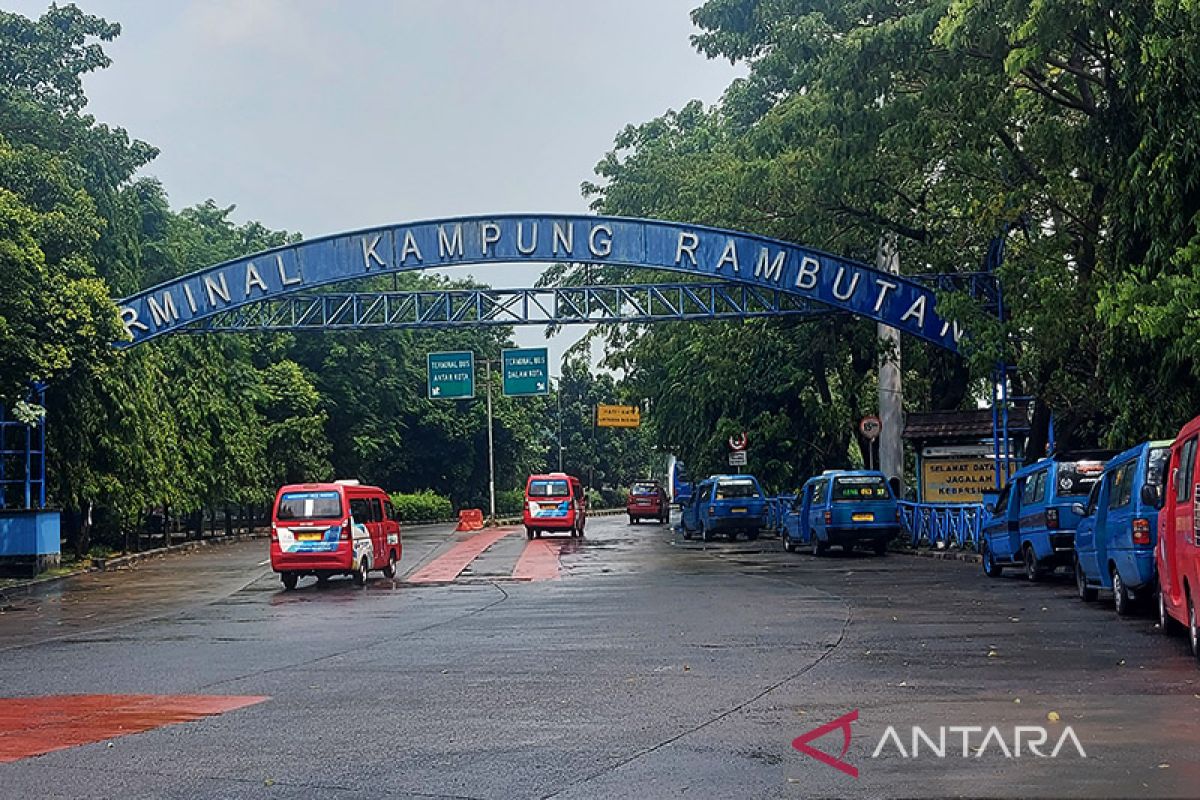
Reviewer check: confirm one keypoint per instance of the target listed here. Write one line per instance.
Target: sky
(318, 116)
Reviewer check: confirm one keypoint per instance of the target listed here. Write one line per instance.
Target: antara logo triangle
(801, 743)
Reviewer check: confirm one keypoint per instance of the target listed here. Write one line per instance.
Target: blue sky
(319, 116)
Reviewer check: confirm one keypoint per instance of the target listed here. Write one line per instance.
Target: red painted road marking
(538, 561)
(448, 565)
(32, 726)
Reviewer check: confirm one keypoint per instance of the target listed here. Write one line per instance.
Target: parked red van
(340, 528)
(647, 500)
(554, 502)
(1177, 554)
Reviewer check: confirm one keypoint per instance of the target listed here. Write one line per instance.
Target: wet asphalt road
(652, 667)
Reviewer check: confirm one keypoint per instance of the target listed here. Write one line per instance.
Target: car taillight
(1052, 518)
(1141, 531)
(828, 517)
(712, 510)
(898, 514)
(344, 534)
(274, 533)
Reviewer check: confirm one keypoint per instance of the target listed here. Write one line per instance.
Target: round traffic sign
(738, 441)
(870, 427)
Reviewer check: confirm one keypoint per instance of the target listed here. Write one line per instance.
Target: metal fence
(942, 524)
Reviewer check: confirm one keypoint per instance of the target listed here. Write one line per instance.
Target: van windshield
(1076, 479)
(644, 488)
(309, 505)
(549, 489)
(860, 487)
(730, 490)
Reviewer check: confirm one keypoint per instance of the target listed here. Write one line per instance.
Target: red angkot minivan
(340, 528)
(554, 503)
(1177, 554)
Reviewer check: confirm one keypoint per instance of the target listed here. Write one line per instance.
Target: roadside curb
(940, 555)
(602, 512)
(129, 560)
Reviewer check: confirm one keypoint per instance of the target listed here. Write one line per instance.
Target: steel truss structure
(558, 305)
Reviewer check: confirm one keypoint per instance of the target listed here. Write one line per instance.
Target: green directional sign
(526, 372)
(452, 375)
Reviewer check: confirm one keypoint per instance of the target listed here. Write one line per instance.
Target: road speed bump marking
(448, 565)
(538, 561)
(33, 726)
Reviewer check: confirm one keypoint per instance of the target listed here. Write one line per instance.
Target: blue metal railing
(23, 458)
(777, 507)
(942, 524)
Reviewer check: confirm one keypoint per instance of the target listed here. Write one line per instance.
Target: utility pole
(560, 439)
(491, 445)
(891, 392)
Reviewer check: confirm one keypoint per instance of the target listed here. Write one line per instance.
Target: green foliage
(1066, 128)
(510, 502)
(423, 506)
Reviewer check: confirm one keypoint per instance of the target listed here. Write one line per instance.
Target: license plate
(309, 537)
(549, 506)
(863, 517)
(737, 511)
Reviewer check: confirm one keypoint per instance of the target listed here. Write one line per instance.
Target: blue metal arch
(732, 256)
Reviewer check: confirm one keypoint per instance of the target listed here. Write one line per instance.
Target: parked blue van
(728, 504)
(848, 508)
(1032, 523)
(1114, 542)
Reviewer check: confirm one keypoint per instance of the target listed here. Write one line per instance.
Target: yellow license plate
(863, 517)
(309, 537)
(737, 511)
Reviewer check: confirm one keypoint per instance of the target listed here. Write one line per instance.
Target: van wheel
(704, 534)
(1166, 623)
(1193, 630)
(819, 548)
(990, 567)
(289, 580)
(788, 547)
(1033, 572)
(1121, 601)
(360, 574)
(687, 532)
(1086, 593)
(390, 570)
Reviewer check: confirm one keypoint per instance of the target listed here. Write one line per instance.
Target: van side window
(1187, 463)
(376, 510)
(1035, 489)
(1122, 486)
(389, 510)
(1002, 501)
(1093, 498)
(819, 492)
(360, 509)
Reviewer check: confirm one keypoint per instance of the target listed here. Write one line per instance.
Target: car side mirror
(1151, 495)
(1079, 510)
